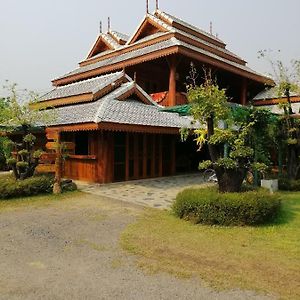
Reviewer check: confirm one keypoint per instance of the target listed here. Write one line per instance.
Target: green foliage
(205, 165)
(207, 206)
(201, 137)
(286, 184)
(22, 164)
(226, 163)
(222, 136)
(260, 167)
(246, 137)
(11, 161)
(207, 100)
(17, 110)
(37, 154)
(23, 152)
(29, 138)
(184, 133)
(11, 188)
(241, 152)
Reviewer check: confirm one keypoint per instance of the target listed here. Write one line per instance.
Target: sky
(42, 39)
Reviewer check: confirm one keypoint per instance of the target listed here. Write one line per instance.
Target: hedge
(208, 206)
(286, 184)
(40, 184)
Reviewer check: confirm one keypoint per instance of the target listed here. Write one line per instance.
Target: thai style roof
(110, 109)
(171, 35)
(271, 93)
(276, 109)
(164, 45)
(119, 36)
(173, 19)
(92, 86)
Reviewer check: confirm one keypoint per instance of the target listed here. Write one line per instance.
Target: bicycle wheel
(207, 174)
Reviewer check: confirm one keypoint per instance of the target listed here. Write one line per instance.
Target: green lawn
(36, 201)
(265, 259)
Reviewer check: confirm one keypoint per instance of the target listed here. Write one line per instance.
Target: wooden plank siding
(113, 155)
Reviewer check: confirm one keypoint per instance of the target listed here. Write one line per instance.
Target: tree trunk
(230, 181)
(292, 162)
(58, 167)
(213, 150)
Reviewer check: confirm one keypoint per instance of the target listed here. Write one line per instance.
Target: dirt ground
(70, 250)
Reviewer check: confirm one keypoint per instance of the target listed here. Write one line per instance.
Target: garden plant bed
(264, 258)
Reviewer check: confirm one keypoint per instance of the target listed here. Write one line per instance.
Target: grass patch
(36, 201)
(264, 258)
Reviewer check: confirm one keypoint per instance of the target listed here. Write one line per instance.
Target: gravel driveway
(69, 250)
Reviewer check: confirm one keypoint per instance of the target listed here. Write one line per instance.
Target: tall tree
(219, 125)
(17, 114)
(287, 82)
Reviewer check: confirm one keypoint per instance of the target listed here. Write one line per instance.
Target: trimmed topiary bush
(286, 184)
(208, 206)
(12, 188)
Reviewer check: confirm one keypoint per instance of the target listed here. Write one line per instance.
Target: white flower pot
(270, 184)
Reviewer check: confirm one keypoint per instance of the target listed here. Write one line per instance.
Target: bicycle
(209, 175)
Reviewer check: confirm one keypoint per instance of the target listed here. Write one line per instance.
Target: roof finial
(147, 6)
(157, 5)
(100, 28)
(108, 24)
(211, 28)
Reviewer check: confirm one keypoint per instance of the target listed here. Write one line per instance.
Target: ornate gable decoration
(109, 41)
(147, 27)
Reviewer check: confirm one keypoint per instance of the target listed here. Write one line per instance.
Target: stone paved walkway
(158, 192)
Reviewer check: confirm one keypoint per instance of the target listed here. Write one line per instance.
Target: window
(82, 143)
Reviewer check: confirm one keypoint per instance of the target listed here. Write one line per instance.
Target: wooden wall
(121, 156)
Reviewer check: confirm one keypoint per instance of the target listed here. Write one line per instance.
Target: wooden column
(172, 61)
(136, 156)
(127, 157)
(160, 159)
(153, 155)
(145, 155)
(244, 91)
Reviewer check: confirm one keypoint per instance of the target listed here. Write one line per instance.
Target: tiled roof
(185, 24)
(150, 49)
(193, 37)
(163, 20)
(146, 38)
(275, 109)
(271, 93)
(83, 87)
(122, 57)
(109, 109)
(119, 35)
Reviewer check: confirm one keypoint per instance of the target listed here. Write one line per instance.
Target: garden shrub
(208, 206)
(286, 184)
(2, 160)
(68, 186)
(12, 188)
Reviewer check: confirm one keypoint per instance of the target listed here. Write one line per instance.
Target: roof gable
(146, 28)
(188, 28)
(103, 43)
(108, 41)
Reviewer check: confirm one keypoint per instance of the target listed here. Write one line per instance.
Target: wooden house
(110, 107)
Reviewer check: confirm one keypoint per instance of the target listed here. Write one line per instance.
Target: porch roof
(111, 110)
